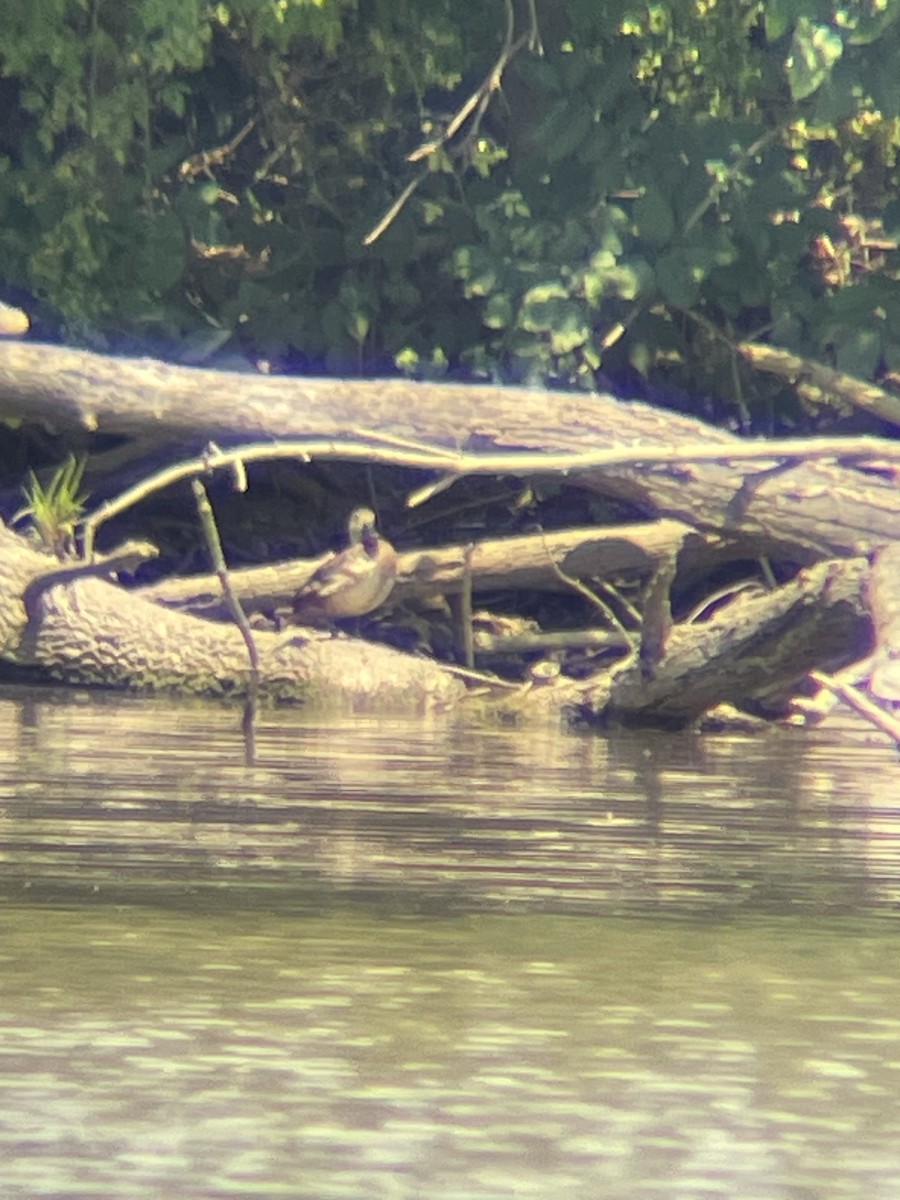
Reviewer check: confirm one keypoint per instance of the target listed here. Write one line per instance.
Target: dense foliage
(633, 188)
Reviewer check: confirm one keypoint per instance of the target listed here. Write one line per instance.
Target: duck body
(352, 582)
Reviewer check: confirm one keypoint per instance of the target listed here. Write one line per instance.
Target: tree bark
(90, 631)
(808, 510)
(87, 630)
(529, 562)
(754, 652)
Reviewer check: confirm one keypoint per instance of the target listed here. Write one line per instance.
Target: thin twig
(584, 591)
(204, 159)
(460, 463)
(489, 84)
(476, 104)
(393, 212)
(860, 703)
(719, 185)
(465, 609)
(304, 449)
(214, 545)
(428, 491)
(535, 45)
(482, 677)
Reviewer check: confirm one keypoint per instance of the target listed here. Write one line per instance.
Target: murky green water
(407, 961)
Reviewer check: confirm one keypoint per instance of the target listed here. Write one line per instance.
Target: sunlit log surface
(836, 509)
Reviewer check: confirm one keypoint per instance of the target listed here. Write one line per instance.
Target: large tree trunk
(810, 509)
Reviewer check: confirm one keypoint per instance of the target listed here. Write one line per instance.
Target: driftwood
(90, 631)
(758, 648)
(707, 496)
(85, 630)
(808, 508)
(528, 562)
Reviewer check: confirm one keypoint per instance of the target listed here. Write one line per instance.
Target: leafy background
(645, 186)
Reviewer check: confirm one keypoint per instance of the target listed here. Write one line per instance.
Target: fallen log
(753, 652)
(708, 496)
(84, 630)
(525, 563)
(813, 508)
(88, 631)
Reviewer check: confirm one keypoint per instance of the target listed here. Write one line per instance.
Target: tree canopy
(516, 190)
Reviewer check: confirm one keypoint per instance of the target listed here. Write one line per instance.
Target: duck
(353, 581)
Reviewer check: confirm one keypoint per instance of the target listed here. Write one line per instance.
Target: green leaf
(164, 253)
(498, 312)
(871, 25)
(681, 272)
(653, 217)
(677, 282)
(572, 135)
(476, 268)
(780, 15)
(859, 352)
(741, 284)
(595, 276)
(814, 51)
(840, 96)
(542, 307)
(570, 329)
(607, 276)
(881, 81)
(407, 360)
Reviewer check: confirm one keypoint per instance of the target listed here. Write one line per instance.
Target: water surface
(400, 960)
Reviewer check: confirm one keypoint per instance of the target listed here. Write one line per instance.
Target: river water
(430, 959)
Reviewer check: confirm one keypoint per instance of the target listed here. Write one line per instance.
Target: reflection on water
(151, 1053)
(430, 960)
(135, 800)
